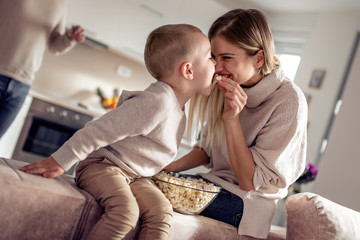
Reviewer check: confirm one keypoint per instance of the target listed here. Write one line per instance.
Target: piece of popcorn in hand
(216, 79)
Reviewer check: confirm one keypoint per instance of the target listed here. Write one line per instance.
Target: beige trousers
(125, 199)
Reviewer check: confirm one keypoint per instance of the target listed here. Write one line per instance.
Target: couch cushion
(32, 207)
(194, 227)
(310, 216)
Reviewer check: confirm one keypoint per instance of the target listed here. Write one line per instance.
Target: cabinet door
(125, 24)
(99, 17)
(10, 138)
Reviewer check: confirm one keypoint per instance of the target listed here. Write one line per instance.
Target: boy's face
(203, 64)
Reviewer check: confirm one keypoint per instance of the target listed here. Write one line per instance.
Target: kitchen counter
(66, 102)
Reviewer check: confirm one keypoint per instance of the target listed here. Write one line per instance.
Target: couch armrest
(33, 207)
(310, 216)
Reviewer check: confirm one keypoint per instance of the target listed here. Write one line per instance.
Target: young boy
(118, 151)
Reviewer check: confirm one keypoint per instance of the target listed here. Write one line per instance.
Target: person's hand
(48, 168)
(77, 33)
(235, 98)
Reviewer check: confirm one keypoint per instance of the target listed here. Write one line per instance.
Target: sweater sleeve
(137, 114)
(58, 41)
(280, 149)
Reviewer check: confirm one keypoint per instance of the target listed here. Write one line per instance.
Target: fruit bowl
(186, 194)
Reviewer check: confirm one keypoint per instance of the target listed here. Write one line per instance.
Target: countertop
(66, 102)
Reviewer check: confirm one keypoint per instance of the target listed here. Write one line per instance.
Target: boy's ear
(260, 58)
(187, 71)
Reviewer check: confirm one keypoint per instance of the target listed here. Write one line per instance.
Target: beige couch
(310, 216)
(32, 207)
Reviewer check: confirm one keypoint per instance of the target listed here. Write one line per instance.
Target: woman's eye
(212, 56)
(226, 57)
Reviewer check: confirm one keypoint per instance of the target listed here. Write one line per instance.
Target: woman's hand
(48, 168)
(235, 98)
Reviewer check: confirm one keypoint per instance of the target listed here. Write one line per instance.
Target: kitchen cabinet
(124, 24)
(10, 138)
(98, 19)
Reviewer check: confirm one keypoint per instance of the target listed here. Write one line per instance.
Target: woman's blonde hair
(247, 29)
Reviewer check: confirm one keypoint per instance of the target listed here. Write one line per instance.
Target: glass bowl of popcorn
(186, 194)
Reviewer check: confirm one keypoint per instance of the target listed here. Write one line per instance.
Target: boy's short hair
(166, 46)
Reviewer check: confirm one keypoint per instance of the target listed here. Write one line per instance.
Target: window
(289, 64)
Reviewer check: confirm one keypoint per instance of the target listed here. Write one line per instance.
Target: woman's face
(233, 62)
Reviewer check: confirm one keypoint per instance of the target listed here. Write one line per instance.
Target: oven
(47, 127)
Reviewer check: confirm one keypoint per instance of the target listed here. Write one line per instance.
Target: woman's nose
(218, 66)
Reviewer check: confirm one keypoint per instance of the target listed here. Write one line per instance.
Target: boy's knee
(164, 209)
(167, 208)
(118, 215)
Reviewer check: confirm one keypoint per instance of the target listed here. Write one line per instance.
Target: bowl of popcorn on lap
(186, 194)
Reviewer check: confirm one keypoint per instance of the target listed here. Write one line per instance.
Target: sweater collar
(165, 86)
(263, 89)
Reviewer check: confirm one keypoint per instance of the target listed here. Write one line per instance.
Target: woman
(254, 125)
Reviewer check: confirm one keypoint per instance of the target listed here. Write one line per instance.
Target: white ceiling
(124, 24)
(294, 5)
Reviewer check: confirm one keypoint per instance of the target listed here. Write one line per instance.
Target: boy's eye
(212, 56)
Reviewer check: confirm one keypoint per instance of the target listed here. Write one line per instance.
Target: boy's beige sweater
(27, 28)
(274, 123)
(141, 135)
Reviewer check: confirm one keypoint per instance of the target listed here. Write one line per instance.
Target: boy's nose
(218, 66)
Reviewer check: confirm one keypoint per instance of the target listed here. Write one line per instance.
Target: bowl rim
(193, 188)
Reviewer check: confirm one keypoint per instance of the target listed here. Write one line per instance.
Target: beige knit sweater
(141, 135)
(274, 124)
(27, 28)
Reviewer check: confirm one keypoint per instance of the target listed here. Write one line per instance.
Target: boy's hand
(48, 168)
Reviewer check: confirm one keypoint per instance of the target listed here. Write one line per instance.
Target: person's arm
(62, 42)
(61, 39)
(240, 156)
(194, 158)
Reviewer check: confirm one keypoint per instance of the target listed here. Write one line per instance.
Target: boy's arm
(48, 168)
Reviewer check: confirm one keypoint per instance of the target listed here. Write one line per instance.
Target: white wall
(328, 47)
(79, 72)
(339, 168)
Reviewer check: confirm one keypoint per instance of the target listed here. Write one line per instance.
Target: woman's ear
(187, 71)
(260, 58)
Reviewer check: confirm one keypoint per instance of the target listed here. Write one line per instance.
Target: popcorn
(187, 195)
(216, 79)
